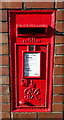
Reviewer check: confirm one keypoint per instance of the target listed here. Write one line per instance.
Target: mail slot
(31, 34)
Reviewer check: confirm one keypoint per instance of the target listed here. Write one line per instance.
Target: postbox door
(31, 74)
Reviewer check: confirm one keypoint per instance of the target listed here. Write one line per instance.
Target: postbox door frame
(46, 94)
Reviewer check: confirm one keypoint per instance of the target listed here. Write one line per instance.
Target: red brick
(60, 15)
(5, 107)
(0, 15)
(59, 50)
(3, 38)
(38, 4)
(59, 26)
(60, 4)
(4, 90)
(27, 115)
(0, 4)
(59, 60)
(3, 49)
(3, 15)
(4, 60)
(4, 71)
(50, 115)
(0, 107)
(58, 98)
(0, 99)
(4, 27)
(6, 116)
(58, 70)
(58, 80)
(4, 80)
(1, 116)
(58, 89)
(11, 1)
(63, 98)
(59, 39)
(0, 49)
(4, 98)
(57, 107)
(17, 4)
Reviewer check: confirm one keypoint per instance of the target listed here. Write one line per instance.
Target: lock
(31, 36)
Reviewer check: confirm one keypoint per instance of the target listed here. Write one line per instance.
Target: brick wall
(58, 75)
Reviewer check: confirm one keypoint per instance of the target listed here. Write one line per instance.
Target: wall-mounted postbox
(31, 59)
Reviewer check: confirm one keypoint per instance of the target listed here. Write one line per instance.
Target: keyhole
(31, 48)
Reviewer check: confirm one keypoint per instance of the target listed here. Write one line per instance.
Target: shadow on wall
(59, 33)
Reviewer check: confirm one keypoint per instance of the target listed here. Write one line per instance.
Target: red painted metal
(31, 32)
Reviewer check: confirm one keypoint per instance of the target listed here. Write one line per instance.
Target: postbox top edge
(32, 11)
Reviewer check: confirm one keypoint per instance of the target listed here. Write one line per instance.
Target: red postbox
(31, 35)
